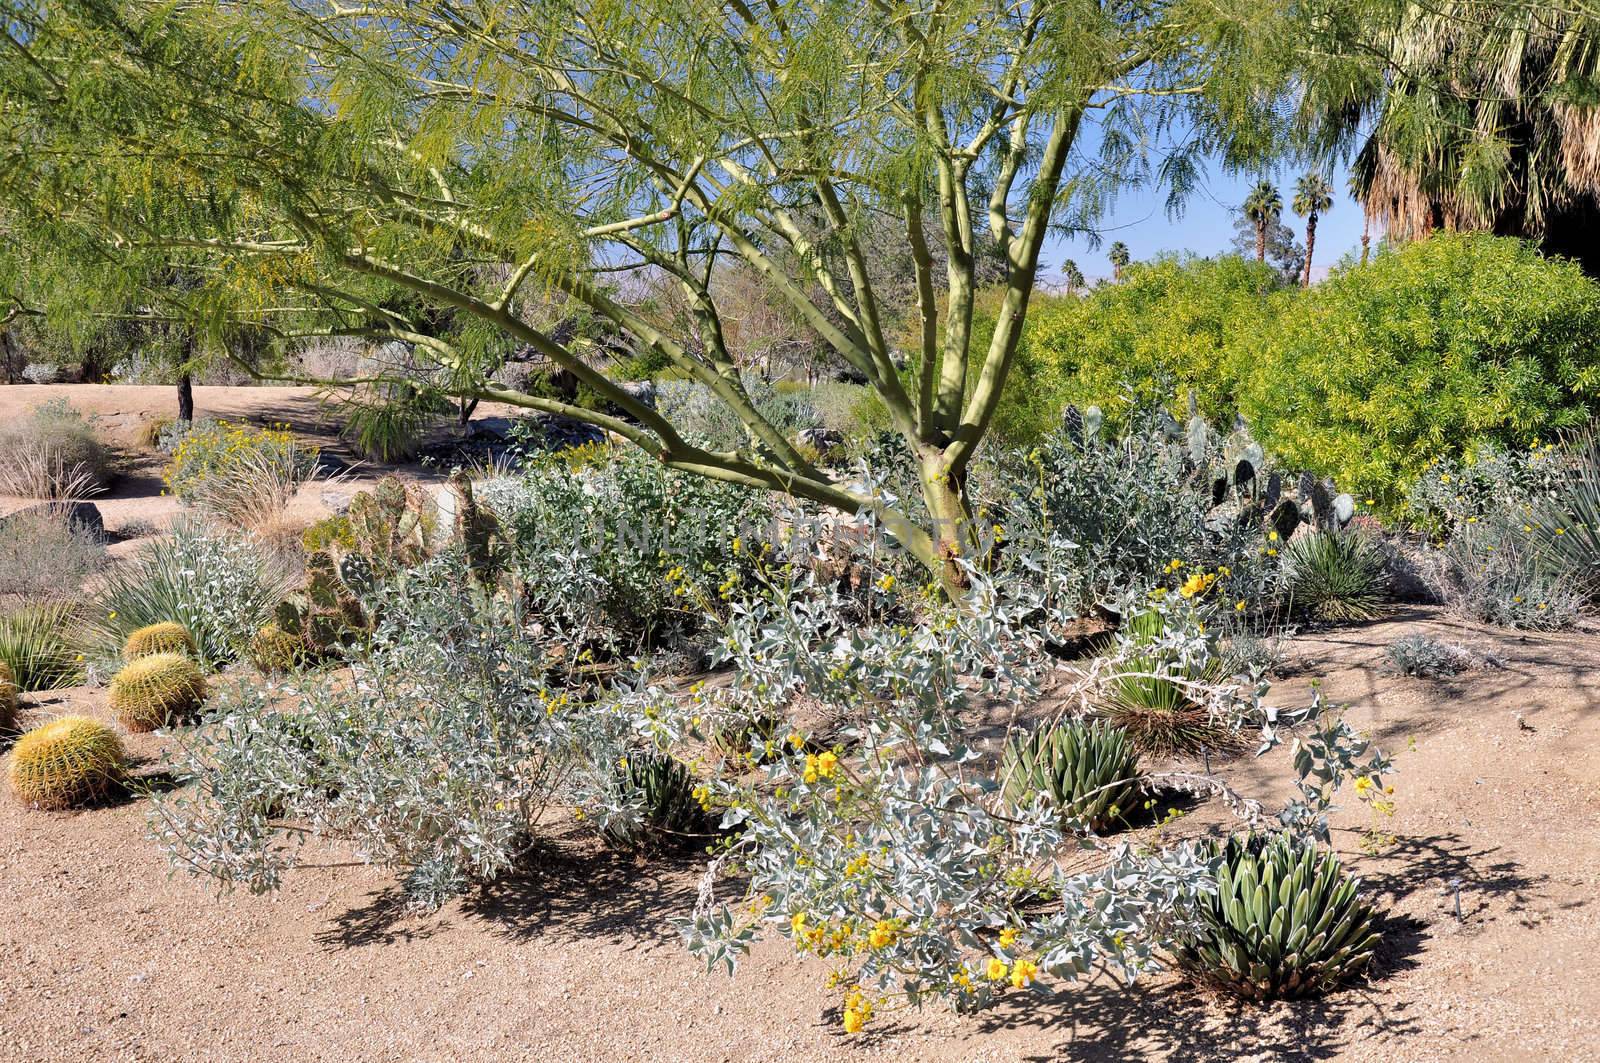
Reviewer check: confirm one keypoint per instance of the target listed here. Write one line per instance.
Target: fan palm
(1313, 195)
(1262, 206)
(1120, 257)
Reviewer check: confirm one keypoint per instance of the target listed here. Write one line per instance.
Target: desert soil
(106, 955)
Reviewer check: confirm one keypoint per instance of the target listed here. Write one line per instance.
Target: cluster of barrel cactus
(1090, 770)
(672, 815)
(1285, 922)
(156, 690)
(164, 637)
(67, 762)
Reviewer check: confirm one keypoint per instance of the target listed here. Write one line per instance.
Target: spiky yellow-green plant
(156, 690)
(66, 762)
(8, 698)
(163, 637)
(274, 650)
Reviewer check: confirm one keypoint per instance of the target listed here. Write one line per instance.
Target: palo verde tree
(323, 166)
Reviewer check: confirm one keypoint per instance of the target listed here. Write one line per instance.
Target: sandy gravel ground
(106, 956)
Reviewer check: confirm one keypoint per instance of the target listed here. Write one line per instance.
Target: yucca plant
(671, 813)
(1285, 922)
(1336, 576)
(1148, 699)
(1566, 529)
(1090, 770)
(40, 644)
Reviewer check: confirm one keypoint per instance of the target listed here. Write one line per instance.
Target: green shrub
(156, 690)
(1285, 922)
(1160, 334)
(40, 643)
(1431, 351)
(1426, 658)
(1336, 576)
(67, 762)
(240, 474)
(1089, 770)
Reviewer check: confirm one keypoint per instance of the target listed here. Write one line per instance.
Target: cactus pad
(154, 691)
(70, 761)
(165, 637)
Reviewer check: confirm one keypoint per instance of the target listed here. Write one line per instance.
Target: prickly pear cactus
(156, 690)
(67, 762)
(1285, 922)
(164, 637)
(389, 525)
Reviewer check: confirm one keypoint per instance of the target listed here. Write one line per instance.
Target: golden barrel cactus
(273, 650)
(156, 690)
(67, 762)
(8, 698)
(165, 637)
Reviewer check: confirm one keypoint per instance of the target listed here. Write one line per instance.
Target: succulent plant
(672, 815)
(389, 525)
(69, 761)
(8, 698)
(1336, 576)
(326, 616)
(1089, 770)
(156, 690)
(273, 650)
(163, 637)
(1285, 922)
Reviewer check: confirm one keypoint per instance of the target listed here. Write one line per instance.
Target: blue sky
(1206, 225)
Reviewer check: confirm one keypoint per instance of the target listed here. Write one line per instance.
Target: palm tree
(1262, 206)
(1119, 259)
(1366, 215)
(1072, 275)
(1313, 195)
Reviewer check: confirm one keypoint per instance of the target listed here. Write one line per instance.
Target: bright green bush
(1161, 333)
(1430, 351)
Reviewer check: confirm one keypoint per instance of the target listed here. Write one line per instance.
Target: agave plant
(1089, 770)
(1285, 922)
(670, 812)
(1337, 576)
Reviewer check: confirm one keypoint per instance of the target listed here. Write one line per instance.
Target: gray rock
(83, 514)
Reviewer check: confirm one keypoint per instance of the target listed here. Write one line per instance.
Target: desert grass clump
(67, 762)
(1336, 576)
(156, 690)
(164, 636)
(1285, 921)
(241, 475)
(39, 643)
(53, 454)
(1090, 770)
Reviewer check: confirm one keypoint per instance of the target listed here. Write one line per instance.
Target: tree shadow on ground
(561, 893)
(1485, 881)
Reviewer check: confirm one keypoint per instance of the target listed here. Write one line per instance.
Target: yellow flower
(882, 934)
(1272, 552)
(1192, 586)
(1024, 972)
(1272, 536)
(853, 1020)
(1363, 785)
(1238, 606)
(995, 970)
(796, 739)
(1370, 502)
(826, 765)
(1561, 531)
(1008, 937)
(886, 582)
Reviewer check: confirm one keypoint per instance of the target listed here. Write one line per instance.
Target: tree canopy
(332, 169)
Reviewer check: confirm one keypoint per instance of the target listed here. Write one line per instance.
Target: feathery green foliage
(426, 173)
